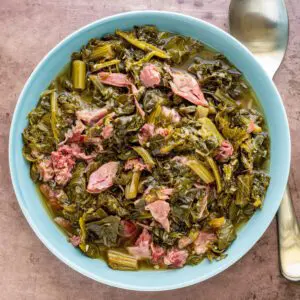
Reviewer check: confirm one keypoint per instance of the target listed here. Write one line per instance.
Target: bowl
(146, 280)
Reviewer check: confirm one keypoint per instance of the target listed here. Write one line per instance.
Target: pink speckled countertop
(29, 29)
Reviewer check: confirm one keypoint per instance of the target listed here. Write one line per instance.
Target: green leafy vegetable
(131, 168)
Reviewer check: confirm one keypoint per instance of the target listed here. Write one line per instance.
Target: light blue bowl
(35, 212)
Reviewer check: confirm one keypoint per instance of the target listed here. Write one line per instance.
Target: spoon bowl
(262, 26)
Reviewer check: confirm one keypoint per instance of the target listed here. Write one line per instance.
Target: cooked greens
(149, 149)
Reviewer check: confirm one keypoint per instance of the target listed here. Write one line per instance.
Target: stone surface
(29, 29)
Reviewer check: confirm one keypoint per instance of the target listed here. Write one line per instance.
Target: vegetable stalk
(98, 67)
(200, 170)
(145, 155)
(105, 51)
(131, 189)
(209, 128)
(54, 109)
(78, 74)
(216, 173)
(121, 261)
(142, 45)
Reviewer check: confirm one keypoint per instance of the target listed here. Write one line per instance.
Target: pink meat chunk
(225, 151)
(63, 223)
(184, 242)
(157, 253)
(107, 131)
(75, 240)
(63, 163)
(121, 80)
(91, 116)
(171, 114)
(160, 210)
(103, 178)
(162, 131)
(129, 229)
(202, 242)
(74, 135)
(46, 170)
(150, 76)
(141, 250)
(145, 133)
(135, 164)
(176, 258)
(51, 195)
(115, 79)
(187, 87)
(165, 193)
(75, 151)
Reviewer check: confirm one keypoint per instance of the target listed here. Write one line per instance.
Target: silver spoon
(262, 26)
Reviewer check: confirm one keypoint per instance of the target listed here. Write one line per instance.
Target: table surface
(29, 29)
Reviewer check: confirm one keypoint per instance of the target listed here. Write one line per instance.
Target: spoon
(262, 26)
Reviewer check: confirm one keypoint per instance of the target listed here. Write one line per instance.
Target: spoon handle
(289, 239)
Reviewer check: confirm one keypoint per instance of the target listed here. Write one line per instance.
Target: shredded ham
(160, 210)
(176, 258)
(76, 151)
(202, 242)
(129, 229)
(107, 131)
(63, 163)
(141, 250)
(171, 114)
(150, 76)
(157, 253)
(135, 164)
(121, 80)
(187, 87)
(149, 130)
(51, 196)
(184, 242)
(162, 131)
(75, 240)
(145, 133)
(46, 171)
(91, 116)
(74, 135)
(103, 177)
(225, 151)
(63, 223)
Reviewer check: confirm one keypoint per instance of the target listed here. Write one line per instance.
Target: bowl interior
(270, 100)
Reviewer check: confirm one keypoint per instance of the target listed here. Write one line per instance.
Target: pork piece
(170, 114)
(135, 164)
(103, 177)
(225, 151)
(202, 242)
(63, 163)
(46, 171)
(176, 258)
(150, 76)
(187, 87)
(129, 229)
(74, 135)
(141, 250)
(51, 196)
(121, 80)
(107, 131)
(160, 210)
(157, 253)
(91, 116)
